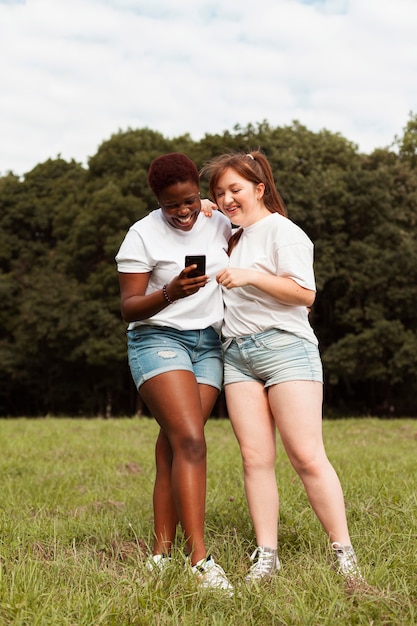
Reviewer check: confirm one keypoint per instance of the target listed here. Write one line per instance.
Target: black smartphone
(200, 261)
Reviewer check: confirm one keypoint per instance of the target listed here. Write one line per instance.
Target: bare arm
(135, 305)
(285, 290)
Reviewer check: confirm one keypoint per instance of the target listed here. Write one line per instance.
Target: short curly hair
(169, 169)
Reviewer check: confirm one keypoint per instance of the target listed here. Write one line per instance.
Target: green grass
(76, 526)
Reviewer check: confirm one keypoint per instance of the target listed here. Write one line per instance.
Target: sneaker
(157, 562)
(211, 576)
(266, 564)
(346, 560)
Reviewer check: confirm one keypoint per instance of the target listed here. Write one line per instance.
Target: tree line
(62, 339)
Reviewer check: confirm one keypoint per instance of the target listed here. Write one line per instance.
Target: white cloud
(73, 72)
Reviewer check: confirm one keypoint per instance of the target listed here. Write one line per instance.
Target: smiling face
(180, 204)
(240, 199)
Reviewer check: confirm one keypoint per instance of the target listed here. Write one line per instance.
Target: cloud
(74, 72)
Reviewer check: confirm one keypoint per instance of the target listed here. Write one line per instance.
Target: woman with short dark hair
(174, 349)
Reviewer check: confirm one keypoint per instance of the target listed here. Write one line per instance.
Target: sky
(75, 72)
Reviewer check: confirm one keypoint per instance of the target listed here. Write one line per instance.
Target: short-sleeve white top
(152, 245)
(274, 245)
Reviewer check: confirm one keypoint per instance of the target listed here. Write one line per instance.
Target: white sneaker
(211, 576)
(266, 564)
(157, 562)
(346, 560)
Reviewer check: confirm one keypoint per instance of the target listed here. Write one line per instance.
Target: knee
(255, 460)
(309, 465)
(192, 448)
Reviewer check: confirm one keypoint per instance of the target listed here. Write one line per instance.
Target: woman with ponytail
(273, 373)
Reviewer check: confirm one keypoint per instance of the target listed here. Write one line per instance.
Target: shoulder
(220, 221)
(216, 218)
(217, 223)
(285, 227)
(219, 216)
(151, 220)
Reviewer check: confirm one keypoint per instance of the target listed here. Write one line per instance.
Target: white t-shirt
(273, 245)
(152, 245)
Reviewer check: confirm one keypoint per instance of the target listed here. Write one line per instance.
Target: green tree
(407, 144)
(369, 302)
(62, 340)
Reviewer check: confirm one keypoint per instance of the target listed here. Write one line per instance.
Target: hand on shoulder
(207, 206)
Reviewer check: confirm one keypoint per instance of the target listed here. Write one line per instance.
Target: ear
(260, 190)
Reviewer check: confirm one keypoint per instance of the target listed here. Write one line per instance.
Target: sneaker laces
(211, 576)
(266, 564)
(346, 559)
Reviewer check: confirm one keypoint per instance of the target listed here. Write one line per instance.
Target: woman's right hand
(137, 305)
(182, 286)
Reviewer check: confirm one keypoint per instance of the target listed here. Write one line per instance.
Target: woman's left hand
(207, 206)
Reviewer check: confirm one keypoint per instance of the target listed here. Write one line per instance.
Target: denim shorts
(153, 350)
(273, 356)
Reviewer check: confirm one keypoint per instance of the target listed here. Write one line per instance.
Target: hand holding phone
(200, 261)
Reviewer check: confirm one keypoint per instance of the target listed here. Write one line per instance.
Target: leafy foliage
(62, 340)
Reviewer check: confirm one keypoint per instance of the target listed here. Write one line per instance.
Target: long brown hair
(254, 167)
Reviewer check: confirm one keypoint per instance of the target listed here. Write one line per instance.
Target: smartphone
(200, 261)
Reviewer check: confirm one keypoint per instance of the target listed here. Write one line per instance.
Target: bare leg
(297, 410)
(181, 410)
(255, 431)
(165, 513)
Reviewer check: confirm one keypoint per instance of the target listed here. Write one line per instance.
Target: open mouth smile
(184, 220)
(231, 210)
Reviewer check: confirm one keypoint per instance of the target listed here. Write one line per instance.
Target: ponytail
(254, 167)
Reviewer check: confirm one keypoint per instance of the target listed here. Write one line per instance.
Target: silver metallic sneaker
(266, 564)
(211, 576)
(346, 560)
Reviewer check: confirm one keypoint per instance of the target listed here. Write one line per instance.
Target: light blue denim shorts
(153, 350)
(273, 356)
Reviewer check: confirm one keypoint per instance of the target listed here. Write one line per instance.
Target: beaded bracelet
(166, 296)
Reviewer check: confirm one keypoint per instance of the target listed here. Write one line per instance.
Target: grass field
(76, 526)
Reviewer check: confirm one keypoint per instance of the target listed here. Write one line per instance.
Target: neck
(260, 215)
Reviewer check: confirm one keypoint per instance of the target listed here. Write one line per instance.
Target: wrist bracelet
(166, 296)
